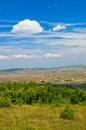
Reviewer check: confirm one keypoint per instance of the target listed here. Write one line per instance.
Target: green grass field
(28, 117)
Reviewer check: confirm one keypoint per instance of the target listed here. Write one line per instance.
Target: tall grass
(30, 117)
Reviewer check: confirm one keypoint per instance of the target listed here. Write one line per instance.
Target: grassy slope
(40, 118)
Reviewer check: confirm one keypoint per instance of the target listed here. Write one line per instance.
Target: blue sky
(42, 33)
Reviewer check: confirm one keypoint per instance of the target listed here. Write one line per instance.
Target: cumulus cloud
(27, 27)
(52, 55)
(2, 57)
(59, 27)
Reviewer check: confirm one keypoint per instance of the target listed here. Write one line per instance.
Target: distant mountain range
(20, 69)
(11, 70)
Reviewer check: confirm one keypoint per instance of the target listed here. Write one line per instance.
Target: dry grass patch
(40, 118)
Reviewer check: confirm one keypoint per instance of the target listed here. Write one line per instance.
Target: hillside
(57, 75)
(54, 75)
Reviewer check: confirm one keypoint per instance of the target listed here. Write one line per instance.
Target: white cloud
(52, 55)
(59, 27)
(5, 34)
(24, 56)
(2, 57)
(31, 56)
(4, 50)
(27, 27)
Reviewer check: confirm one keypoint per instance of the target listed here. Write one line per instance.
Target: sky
(42, 33)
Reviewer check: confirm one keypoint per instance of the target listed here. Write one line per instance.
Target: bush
(67, 113)
(4, 102)
(32, 93)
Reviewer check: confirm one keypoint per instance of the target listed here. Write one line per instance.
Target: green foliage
(32, 93)
(67, 113)
(5, 102)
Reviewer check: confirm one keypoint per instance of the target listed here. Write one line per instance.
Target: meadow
(33, 106)
(29, 117)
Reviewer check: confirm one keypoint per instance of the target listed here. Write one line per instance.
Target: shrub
(67, 113)
(32, 93)
(5, 102)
